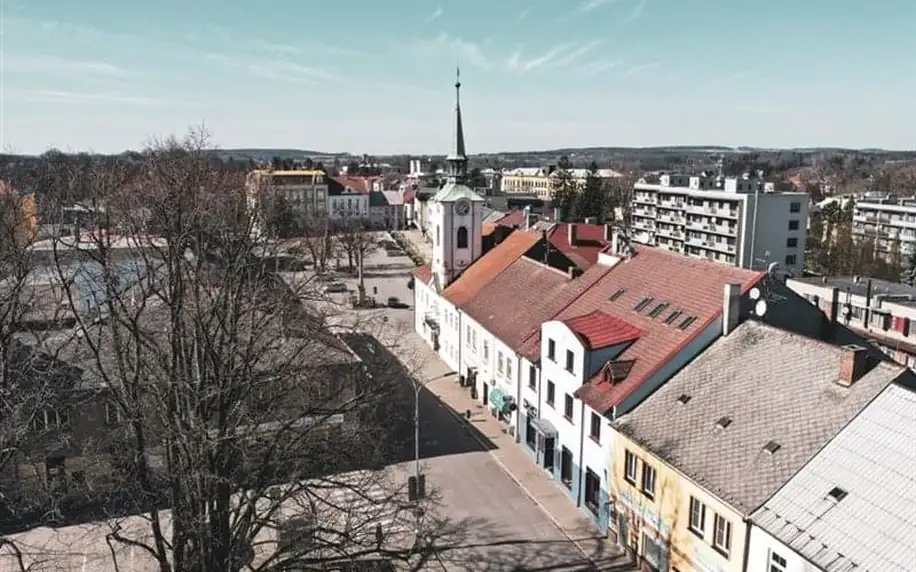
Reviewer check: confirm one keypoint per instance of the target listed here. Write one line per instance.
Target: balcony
(670, 218)
(676, 234)
(644, 212)
(644, 199)
(674, 205)
(643, 224)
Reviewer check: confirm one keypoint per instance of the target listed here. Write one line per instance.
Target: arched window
(462, 237)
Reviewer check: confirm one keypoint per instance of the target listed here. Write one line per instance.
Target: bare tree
(240, 433)
(356, 239)
(318, 241)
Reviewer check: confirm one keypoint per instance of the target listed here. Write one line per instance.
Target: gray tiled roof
(873, 526)
(774, 386)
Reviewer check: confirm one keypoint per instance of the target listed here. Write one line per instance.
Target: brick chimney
(571, 234)
(731, 308)
(609, 233)
(852, 364)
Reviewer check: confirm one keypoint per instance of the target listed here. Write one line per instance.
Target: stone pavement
(536, 483)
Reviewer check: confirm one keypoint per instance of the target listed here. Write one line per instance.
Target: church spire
(457, 159)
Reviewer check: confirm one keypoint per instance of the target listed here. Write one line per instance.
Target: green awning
(497, 399)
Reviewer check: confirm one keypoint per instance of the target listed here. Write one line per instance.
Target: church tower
(456, 212)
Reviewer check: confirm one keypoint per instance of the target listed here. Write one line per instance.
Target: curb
(464, 423)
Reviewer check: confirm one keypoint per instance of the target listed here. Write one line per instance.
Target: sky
(367, 76)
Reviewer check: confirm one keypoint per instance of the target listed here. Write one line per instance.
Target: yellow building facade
(667, 520)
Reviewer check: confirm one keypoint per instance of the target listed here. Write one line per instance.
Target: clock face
(462, 208)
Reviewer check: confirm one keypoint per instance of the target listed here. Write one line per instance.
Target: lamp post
(416, 485)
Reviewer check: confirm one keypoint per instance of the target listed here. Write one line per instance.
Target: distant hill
(267, 154)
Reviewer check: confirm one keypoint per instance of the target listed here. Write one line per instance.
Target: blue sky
(376, 77)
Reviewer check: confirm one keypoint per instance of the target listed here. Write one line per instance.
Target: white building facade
(348, 203)
(743, 222)
(889, 222)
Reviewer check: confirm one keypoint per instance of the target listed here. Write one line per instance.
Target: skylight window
(837, 494)
(772, 447)
(643, 304)
(656, 311)
(616, 295)
(683, 399)
(724, 422)
(672, 317)
(686, 323)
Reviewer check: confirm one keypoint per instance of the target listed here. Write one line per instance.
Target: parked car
(395, 302)
(335, 287)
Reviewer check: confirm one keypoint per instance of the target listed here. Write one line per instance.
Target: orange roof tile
(674, 283)
(487, 267)
(512, 218)
(423, 273)
(599, 330)
(488, 229)
(589, 242)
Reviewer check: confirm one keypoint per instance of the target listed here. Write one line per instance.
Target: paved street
(489, 521)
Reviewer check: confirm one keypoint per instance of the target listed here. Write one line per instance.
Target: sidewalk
(536, 483)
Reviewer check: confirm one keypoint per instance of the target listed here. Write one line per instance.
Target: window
(486, 350)
(530, 434)
(508, 367)
(499, 362)
(474, 340)
(532, 377)
(594, 430)
(592, 490)
(570, 361)
(697, 517)
(551, 393)
(656, 311)
(462, 237)
(437, 235)
(791, 260)
(672, 317)
(642, 304)
(793, 225)
(467, 335)
(722, 536)
(648, 480)
(51, 419)
(792, 242)
(777, 563)
(568, 407)
(112, 414)
(616, 295)
(632, 467)
(686, 323)
(551, 350)
(566, 467)
(794, 207)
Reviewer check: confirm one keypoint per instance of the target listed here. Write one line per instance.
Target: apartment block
(304, 190)
(739, 221)
(886, 221)
(540, 181)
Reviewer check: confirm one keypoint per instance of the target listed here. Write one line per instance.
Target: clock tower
(456, 212)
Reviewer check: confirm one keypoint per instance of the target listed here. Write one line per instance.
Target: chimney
(571, 234)
(852, 364)
(574, 272)
(530, 220)
(731, 308)
(609, 233)
(557, 214)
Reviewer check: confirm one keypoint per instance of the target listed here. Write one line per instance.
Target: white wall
(569, 430)
(426, 302)
(762, 548)
(773, 216)
(449, 334)
(485, 356)
(349, 205)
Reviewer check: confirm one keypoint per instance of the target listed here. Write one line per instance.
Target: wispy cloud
(453, 47)
(636, 12)
(51, 65)
(590, 5)
(437, 13)
(524, 13)
(641, 68)
(291, 72)
(596, 67)
(310, 48)
(560, 55)
(112, 97)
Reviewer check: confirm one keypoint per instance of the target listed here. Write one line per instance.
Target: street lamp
(416, 485)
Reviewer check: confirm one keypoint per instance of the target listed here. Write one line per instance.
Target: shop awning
(497, 399)
(544, 427)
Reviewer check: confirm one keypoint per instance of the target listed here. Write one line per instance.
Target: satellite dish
(760, 308)
(755, 293)
(847, 310)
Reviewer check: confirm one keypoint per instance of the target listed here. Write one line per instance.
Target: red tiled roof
(589, 242)
(488, 266)
(514, 304)
(599, 330)
(488, 229)
(362, 185)
(513, 218)
(688, 285)
(423, 273)
(408, 196)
